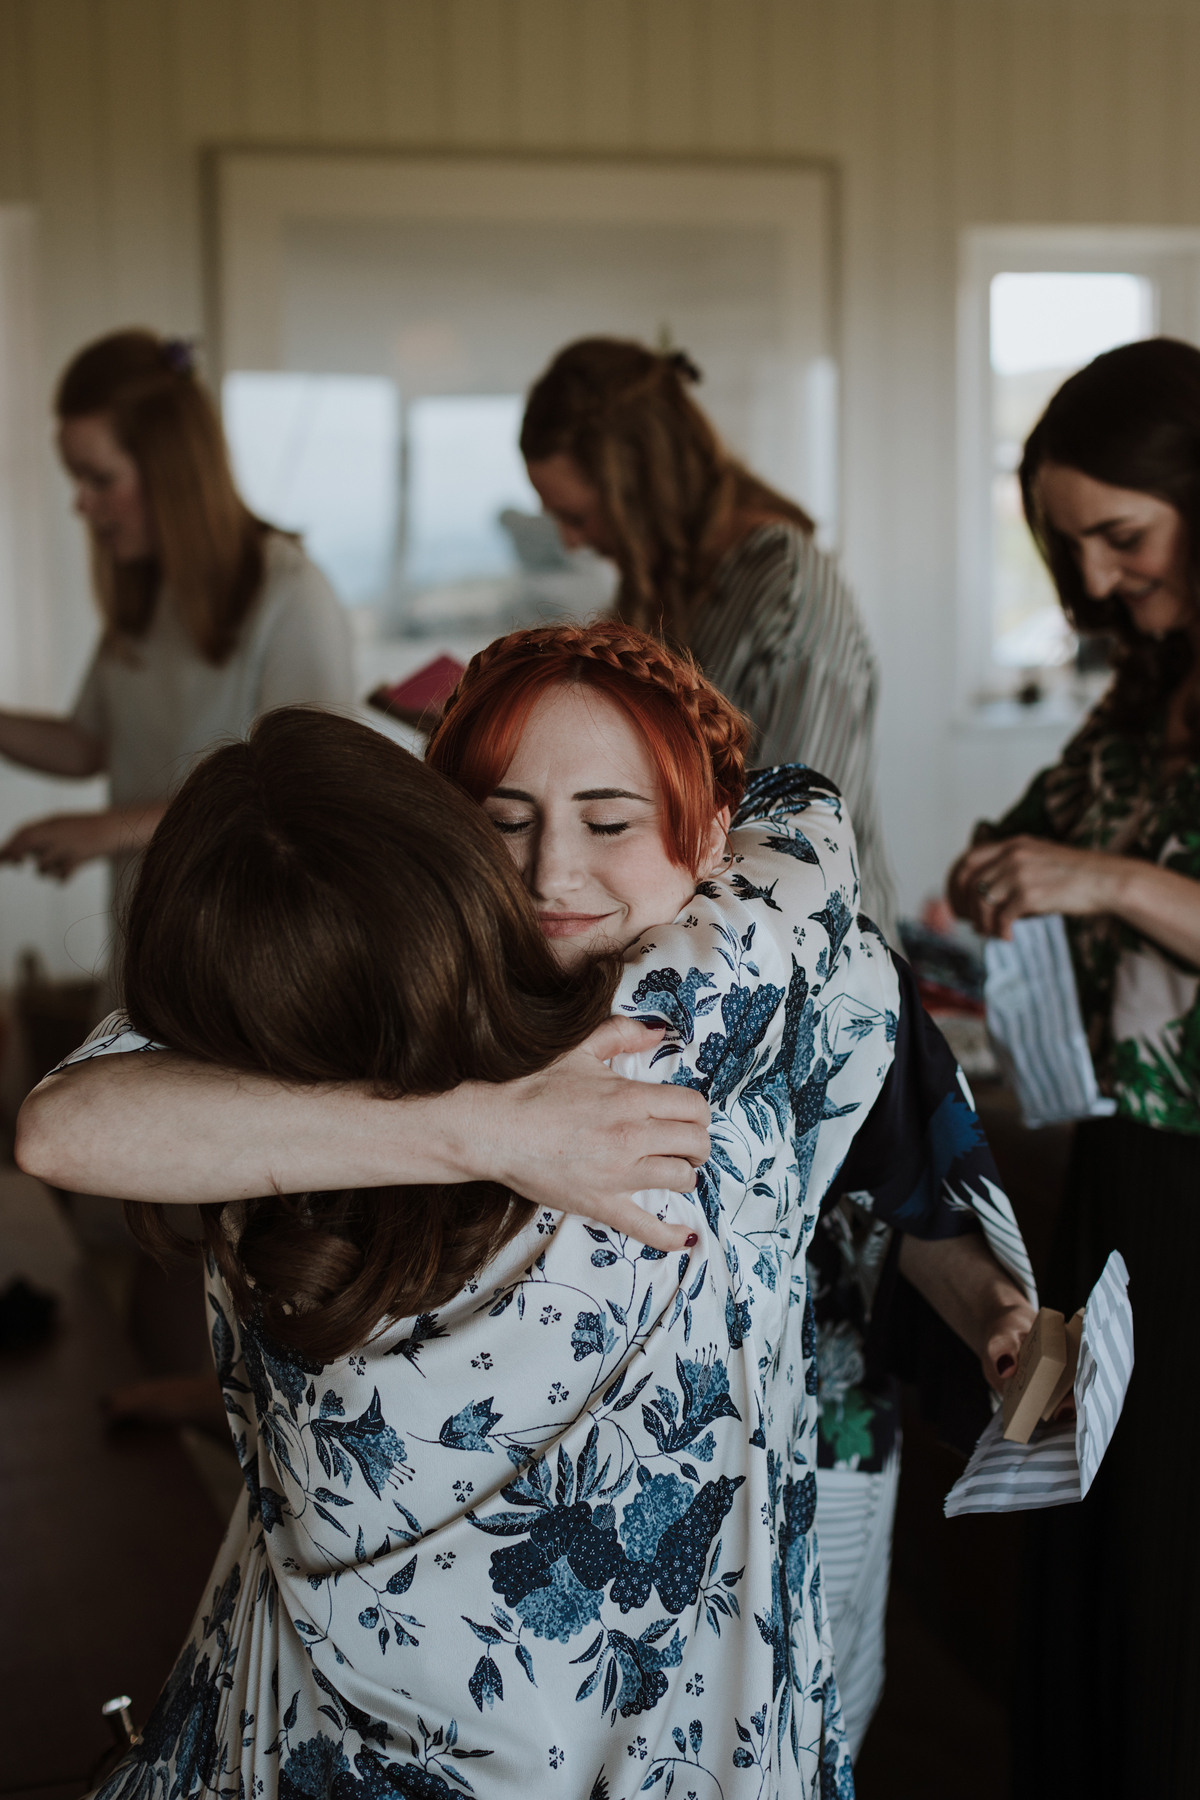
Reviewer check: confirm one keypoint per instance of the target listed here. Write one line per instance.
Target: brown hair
(319, 906)
(669, 488)
(1131, 419)
(210, 545)
(696, 738)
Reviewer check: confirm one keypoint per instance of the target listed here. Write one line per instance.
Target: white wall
(937, 113)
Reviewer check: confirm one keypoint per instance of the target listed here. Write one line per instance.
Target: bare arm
(55, 746)
(60, 843)
(995, 884)
(962, 1281)
(156, 1126)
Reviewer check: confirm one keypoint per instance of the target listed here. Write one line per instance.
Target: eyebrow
(585, 794)
(1107, 525)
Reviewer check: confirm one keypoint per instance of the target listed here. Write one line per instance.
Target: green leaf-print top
(1140, 1003)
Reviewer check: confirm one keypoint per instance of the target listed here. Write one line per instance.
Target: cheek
(653, 887)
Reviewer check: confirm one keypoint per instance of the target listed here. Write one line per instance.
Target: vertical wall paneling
(1037, 114)
(738, 34)
(481, 71)
(142, 192)
(273, 53)
(609, 74)
(546, 72)
(674, 50)
(413, 58)
(16, 174)
(347, 76)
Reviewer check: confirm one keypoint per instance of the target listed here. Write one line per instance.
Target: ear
(716, 846)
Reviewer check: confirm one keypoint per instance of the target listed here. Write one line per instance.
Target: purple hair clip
(179, 354)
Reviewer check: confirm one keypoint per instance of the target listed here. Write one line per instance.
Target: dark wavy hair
(319, 906)
(1130, 419)
(668, 486)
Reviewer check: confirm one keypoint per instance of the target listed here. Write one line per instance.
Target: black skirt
(1106, 1688)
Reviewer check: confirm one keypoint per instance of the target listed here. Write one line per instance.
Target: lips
(564, 925)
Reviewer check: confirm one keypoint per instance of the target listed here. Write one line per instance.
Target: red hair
(696, 739)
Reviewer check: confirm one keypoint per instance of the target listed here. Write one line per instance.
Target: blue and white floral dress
(559, 1535)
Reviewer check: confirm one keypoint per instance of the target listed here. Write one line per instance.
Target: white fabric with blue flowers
(558, 1537)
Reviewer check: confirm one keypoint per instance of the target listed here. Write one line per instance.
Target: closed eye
(510, 827)
(609, 830)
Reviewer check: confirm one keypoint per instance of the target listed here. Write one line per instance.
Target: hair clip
(179, 354)
(684, 367)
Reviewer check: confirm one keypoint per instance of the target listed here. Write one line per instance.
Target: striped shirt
(781, 636)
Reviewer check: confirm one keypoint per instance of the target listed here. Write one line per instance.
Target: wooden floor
(107, 1540)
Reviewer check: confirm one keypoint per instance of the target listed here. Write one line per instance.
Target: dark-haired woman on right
(1105, 1695)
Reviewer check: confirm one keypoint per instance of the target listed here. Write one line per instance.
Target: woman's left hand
(1000, 883)
(60, 844)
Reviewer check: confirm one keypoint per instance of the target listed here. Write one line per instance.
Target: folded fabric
(1060, 1461)
(1036, 1026)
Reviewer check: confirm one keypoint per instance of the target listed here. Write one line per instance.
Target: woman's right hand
(579, 1138)
(161, 1127)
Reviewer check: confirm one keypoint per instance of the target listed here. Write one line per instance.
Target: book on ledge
(418, 699)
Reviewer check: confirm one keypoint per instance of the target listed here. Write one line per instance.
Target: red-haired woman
(209, 615)
(612, 768)
(709, 554)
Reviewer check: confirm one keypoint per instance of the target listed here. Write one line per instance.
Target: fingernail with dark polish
(691, 1239)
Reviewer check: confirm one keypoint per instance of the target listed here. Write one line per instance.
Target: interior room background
(930, 118)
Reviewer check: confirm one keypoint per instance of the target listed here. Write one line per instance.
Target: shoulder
(779, 588)
(293, 585)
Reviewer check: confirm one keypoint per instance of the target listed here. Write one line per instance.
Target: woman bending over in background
(209, 615)
(1105, 1701)
(710, 555)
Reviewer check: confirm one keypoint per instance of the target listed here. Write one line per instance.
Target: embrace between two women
(529, 1447)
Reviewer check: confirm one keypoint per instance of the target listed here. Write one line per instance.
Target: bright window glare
(464, 469)
(319, 454)
(1062, 321)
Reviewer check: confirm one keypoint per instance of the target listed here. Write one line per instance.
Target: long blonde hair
(209, 543)
(669, 488)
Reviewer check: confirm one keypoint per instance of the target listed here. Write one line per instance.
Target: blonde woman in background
(210, 616)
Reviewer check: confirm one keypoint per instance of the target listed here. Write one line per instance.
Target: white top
(156, 704)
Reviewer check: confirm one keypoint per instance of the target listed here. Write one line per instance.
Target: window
(1035, 304)
(1043, 326)
(319, 454)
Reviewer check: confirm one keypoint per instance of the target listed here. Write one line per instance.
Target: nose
(554, 873)
(1100, 568)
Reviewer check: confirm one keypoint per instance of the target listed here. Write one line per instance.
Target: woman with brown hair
(210, 616)
(610, 767)
(519, 1489)
(1105, 1698)
(715, 559)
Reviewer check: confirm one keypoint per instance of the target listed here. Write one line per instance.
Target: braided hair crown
(648, 662)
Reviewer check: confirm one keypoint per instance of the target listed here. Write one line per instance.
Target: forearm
(54, 746)
(1161, 904)
(574, 1136)
(964, 1283)
(156, 1126)
(134, 826)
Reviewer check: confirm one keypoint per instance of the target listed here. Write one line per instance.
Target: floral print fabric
(1141, 1005)
(559, 1535)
